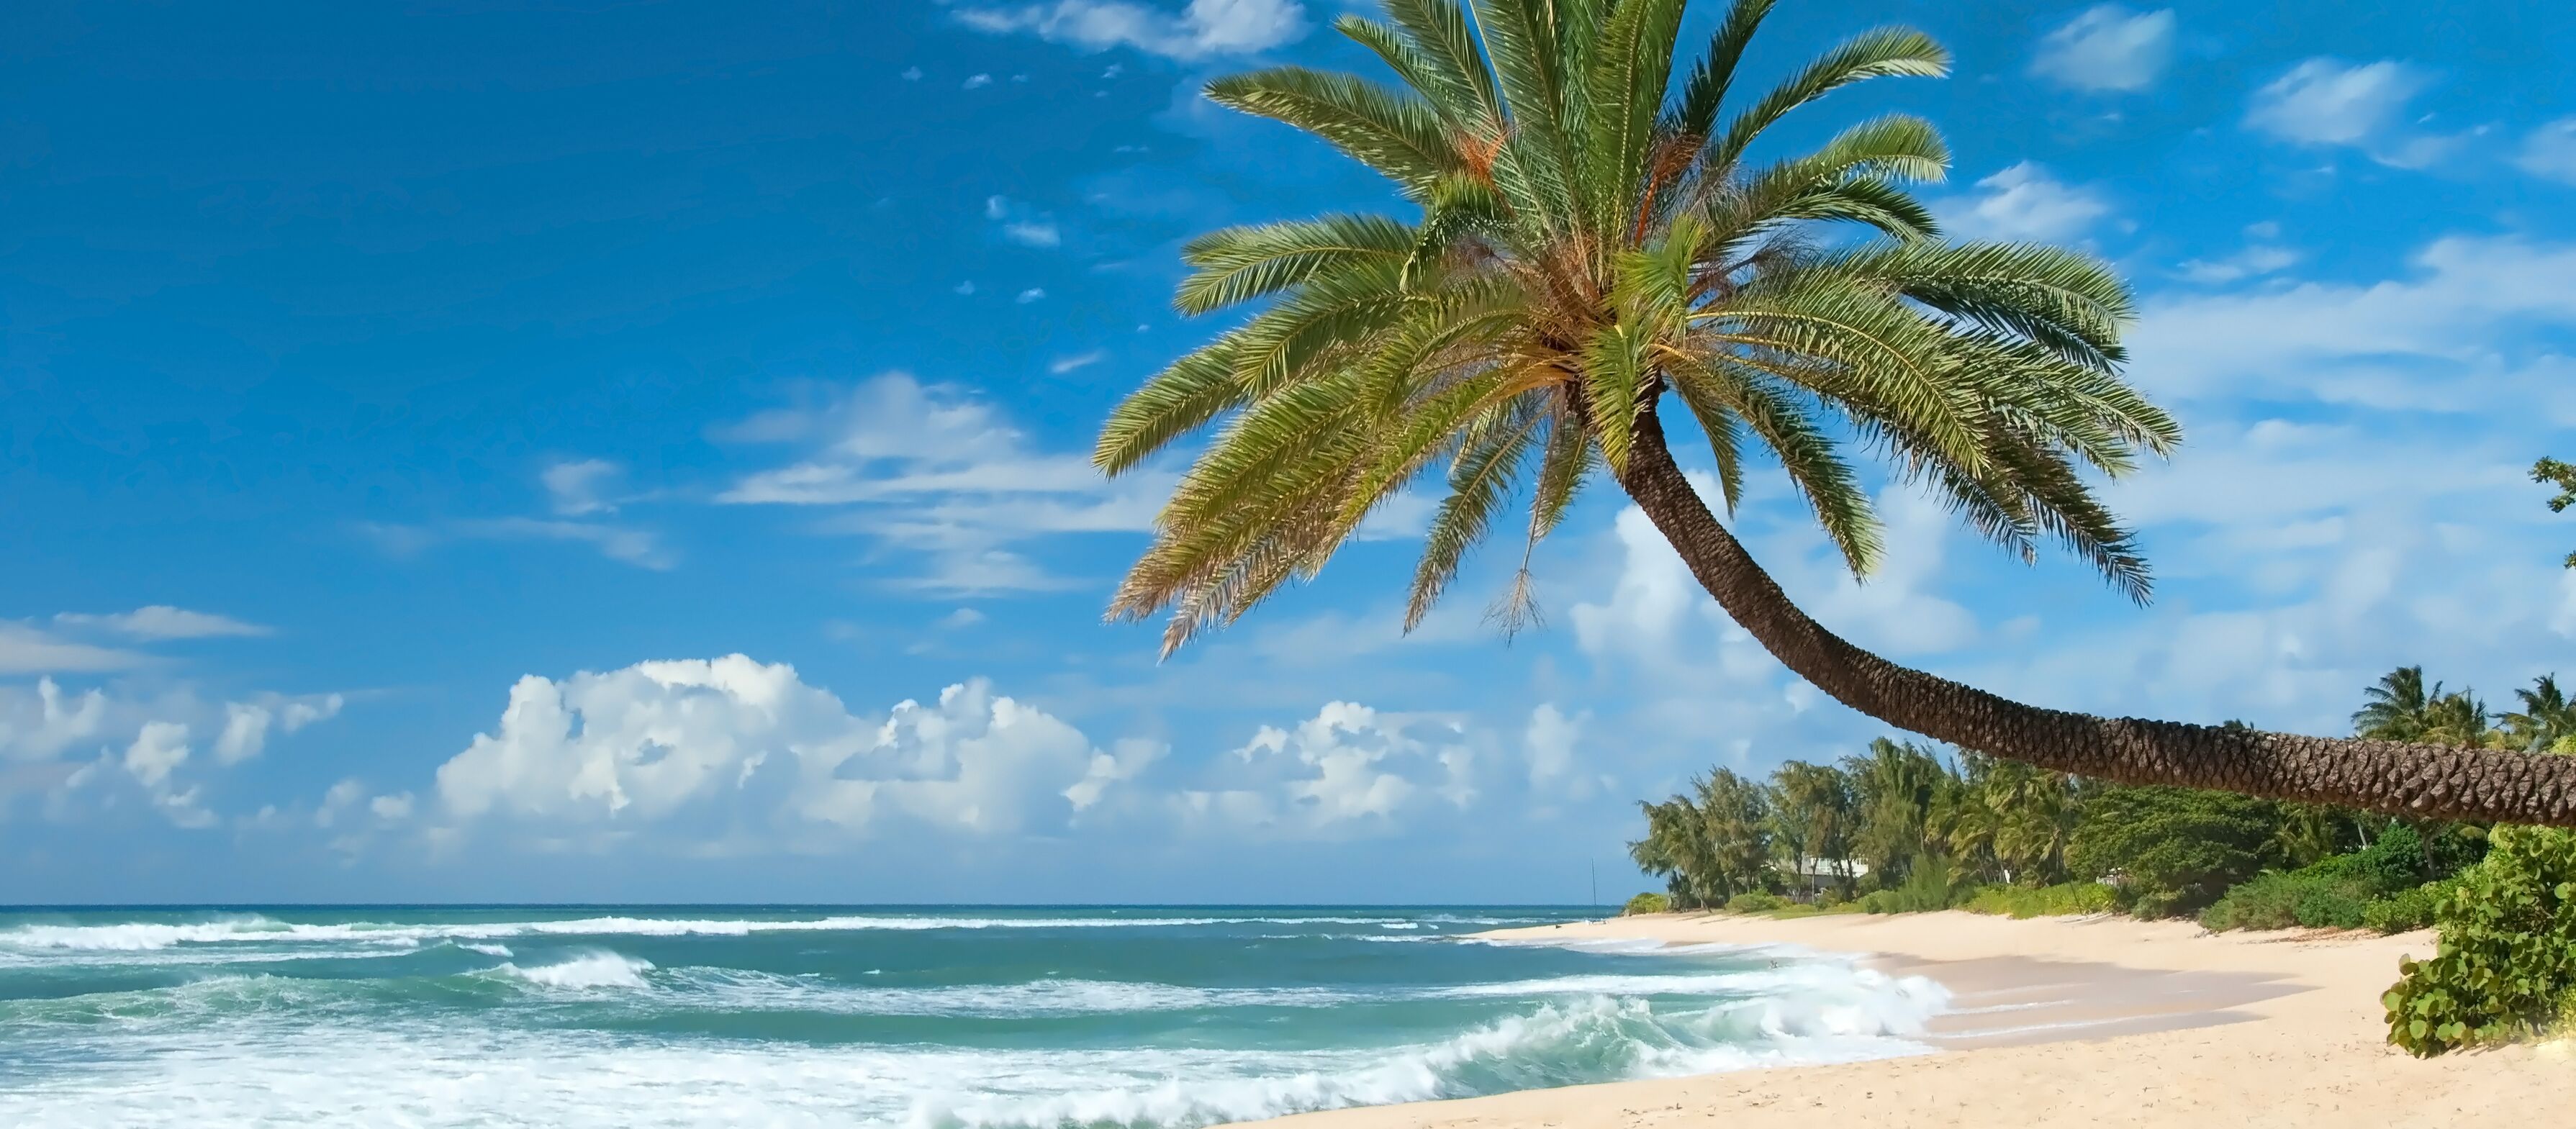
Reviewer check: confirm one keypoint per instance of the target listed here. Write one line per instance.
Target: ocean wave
(583, 972)
(254, 929)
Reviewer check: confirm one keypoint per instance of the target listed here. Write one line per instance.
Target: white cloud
(936, 471)
(161, 621)
(1022, 224)
(2550, 151)
(2329, 102)
(742, 747)
(1029, 295)
(2108, 47)
(2254, 261)
(391, 808)
(66, 745)
(2339, 343)
(638, 547)
(975, 81)
(26, 650)
(1348, 769)
(246, 724)
(2024, 202)
(158, 750)
(579, 487)
(1203, 29)
(912, 74)
(1551, 739)
(1063, 365)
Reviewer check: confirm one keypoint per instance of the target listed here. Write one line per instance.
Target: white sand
(2158, 1024)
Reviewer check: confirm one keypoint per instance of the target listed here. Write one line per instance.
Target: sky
(595, 452)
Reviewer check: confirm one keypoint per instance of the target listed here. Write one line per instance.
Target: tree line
(1904, 825)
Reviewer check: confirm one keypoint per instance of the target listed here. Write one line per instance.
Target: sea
(916, 1017)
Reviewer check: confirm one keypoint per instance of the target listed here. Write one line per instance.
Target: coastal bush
(1647, 903)
(2340, 891)
(2066, 899)
(2173, 851)
(2406, 910)
(1756, 902)
(1926, 888)
(2507, 963)
(2283, 899)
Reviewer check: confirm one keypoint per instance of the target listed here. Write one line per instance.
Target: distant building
(1807, 878)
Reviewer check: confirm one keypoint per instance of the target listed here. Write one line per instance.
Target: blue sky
(475, 451)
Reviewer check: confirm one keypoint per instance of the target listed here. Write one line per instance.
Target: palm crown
(1594, 233)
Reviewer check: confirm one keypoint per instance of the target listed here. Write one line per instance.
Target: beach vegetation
(1756, 902)
(2507, 961)
(1646, 903)
(2065, 899)
(1605, 247)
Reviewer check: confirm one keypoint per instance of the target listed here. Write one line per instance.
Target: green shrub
(1647, 903)
(1926, 888)
(2406, 910)
(2316, 897)
(2065, 899)
(2507, 963)
(1756, 903)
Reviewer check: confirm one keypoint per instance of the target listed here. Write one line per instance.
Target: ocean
(924, 1018)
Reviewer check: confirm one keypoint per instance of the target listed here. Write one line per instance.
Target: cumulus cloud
(746, 748)
(1349, 769)
(247, 724)
(2550, 151)
(2023, 202)
(937, 472)
(2108, 47)
(1205, 28)
(161, 621)
(91, 743)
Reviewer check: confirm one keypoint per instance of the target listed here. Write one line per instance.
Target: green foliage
(2066, 899)
(2507, 961)
(2283, 899)
(2406, 910)
(1646, 903)
(1756, 903)
(1927, 888)
(2551, 472)
(2341, 891)
(2172, 851)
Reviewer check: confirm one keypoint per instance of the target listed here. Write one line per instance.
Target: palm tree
(2398, 707)
(1599, 241)
(1812, 806)
(1735, 815)
(1893, 787)
(2035, 813)
(2551, 472)
(2546, 721)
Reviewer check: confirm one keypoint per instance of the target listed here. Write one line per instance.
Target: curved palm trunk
(2437, 781)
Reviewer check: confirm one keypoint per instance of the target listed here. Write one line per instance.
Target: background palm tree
(2546, 722)
(1600, 240)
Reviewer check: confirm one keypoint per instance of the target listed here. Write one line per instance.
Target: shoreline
(2097, 1021)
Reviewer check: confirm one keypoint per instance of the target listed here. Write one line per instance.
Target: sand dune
(2102, 1022)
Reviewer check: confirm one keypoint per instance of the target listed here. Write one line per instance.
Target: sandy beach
(2064, 1021)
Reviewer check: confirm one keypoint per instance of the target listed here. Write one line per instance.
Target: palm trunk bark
(2435, 781)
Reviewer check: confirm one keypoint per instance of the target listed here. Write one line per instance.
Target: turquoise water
(921, 1017)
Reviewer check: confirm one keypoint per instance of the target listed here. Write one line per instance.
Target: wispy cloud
(2326, 101)
(2107, 48)
(2023, 202)
(1063, 365)
(1205, 28)
(2550, 151)
(161, 621)
(936, 472)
